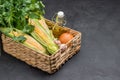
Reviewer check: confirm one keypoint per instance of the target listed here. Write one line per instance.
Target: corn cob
(45, 26)
(43, 35)
(29, 42)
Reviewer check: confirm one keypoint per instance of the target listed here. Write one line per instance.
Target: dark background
(99, 57)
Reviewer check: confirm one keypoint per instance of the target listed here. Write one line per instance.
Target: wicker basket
(46, 63)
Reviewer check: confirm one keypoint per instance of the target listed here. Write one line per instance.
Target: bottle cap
(60, 14)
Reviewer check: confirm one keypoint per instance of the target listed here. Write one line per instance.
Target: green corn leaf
(19, 39)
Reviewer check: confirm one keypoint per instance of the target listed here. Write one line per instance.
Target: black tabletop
(99, 57)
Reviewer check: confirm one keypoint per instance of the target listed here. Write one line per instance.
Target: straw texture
(46, 63)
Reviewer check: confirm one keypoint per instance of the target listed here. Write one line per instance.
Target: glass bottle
(60, 18)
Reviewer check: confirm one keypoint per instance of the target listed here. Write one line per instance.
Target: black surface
(99, 58)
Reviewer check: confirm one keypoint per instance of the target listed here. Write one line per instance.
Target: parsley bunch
(15, 13)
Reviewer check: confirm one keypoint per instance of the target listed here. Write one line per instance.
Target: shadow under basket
(47, 63)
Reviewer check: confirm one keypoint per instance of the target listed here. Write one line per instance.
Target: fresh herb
(26, 16)
(15, 13)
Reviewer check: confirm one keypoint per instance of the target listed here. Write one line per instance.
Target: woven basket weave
(46, 63)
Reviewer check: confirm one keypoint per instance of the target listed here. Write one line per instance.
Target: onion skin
(65, 37)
